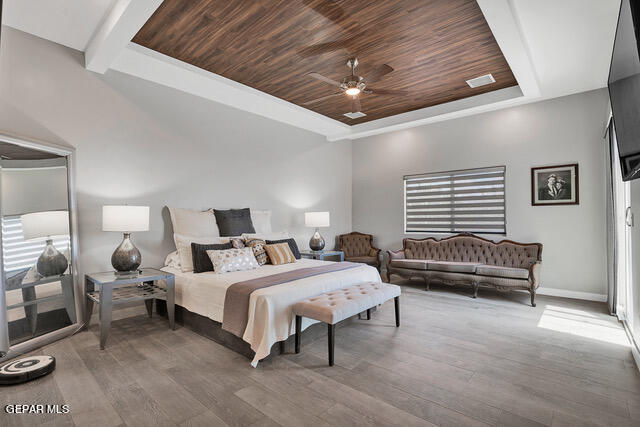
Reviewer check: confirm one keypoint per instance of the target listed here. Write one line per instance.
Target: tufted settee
(358, 247)
(469, 259)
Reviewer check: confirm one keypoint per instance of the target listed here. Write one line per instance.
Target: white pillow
(277, 235)
(229, 260)
(194, 223)
(261, 221)
(172, 260)
(183, 246)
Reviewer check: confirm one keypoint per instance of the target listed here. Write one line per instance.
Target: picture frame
(555, 185)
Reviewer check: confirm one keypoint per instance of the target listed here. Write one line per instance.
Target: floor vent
(355, 115)
(481, 81)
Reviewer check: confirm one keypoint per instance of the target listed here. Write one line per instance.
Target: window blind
(18, 253)
(471, 200)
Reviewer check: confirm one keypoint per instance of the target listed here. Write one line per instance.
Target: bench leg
(396, 302)
(282, 347)
(331, 343)
(298, 329)
(368, 314)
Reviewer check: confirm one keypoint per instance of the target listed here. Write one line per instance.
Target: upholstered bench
(341, 304)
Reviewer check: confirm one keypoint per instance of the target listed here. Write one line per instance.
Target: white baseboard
(571, 294)
(636, 356)
(634, 346)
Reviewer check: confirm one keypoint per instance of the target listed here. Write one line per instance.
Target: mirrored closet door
(38, 254)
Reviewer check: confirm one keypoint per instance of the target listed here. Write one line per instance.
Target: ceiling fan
(354, 85)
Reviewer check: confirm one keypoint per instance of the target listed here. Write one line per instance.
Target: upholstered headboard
(471, 248)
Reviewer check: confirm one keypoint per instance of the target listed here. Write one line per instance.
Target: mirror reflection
(34, 207)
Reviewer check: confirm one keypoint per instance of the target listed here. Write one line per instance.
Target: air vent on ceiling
(356, 115)
(481, 81)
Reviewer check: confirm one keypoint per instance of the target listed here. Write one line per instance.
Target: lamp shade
(125, 218)
(316, 219)
(40, 225)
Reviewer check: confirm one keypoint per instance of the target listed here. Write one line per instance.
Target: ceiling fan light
(352, 91)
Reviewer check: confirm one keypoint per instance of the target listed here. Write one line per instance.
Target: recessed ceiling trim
(489, 101)
(153, 66)
(147, 64)
(506, 30)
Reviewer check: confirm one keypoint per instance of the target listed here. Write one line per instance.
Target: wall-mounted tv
(624, 88)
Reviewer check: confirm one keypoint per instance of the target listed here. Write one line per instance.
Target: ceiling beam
(153, 66)
(122, 23)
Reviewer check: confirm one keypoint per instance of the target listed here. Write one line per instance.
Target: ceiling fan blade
(378, 73)
(324, 79)
(327, 47)
(355, 104)
(315, 101)
(389, 92)
(328, 9)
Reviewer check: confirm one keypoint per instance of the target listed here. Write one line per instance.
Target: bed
(269, 319)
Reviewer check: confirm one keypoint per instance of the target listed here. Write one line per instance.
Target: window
(470, 200)
(19, 254)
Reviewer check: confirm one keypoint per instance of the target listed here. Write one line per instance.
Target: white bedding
(270, 318)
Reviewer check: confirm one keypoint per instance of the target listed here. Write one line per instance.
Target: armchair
(358, 247)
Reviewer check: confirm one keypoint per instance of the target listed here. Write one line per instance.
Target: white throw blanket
(270, 318)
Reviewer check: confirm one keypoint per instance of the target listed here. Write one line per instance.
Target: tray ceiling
(433, 46)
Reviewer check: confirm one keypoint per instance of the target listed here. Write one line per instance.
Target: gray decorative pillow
(229, 260)
(234, 222)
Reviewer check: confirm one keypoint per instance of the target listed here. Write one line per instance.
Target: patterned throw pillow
(229, 260)
(292, 245)
(257, 245)
(237, 242)
(280, 253)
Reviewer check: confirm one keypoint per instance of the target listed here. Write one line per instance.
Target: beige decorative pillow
(183, 246)
(280, 253)
(257, 245)
(194, 223)
(228, 260)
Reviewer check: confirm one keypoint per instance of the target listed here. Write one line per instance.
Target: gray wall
(141, 143)
(559, 131)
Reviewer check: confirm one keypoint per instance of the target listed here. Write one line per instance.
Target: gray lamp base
(126, 258)
(51, 262)
(316, 243)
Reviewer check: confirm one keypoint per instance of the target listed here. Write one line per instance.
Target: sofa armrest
(534, 274)
(396, 254)
(374, 252)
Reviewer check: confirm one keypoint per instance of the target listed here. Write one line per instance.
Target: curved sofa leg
(428, 283)
(533, 297)
(475, 290)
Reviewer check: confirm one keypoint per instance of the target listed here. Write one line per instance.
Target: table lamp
(316, 220)
(126, 258)
(45, 225)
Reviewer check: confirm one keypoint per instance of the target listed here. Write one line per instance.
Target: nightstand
(114, 289)
(321, 254)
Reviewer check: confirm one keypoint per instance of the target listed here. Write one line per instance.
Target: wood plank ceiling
(433, 46)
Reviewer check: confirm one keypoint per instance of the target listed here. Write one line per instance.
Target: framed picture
(554, 185)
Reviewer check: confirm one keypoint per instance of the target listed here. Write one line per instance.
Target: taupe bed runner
(236, 301)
